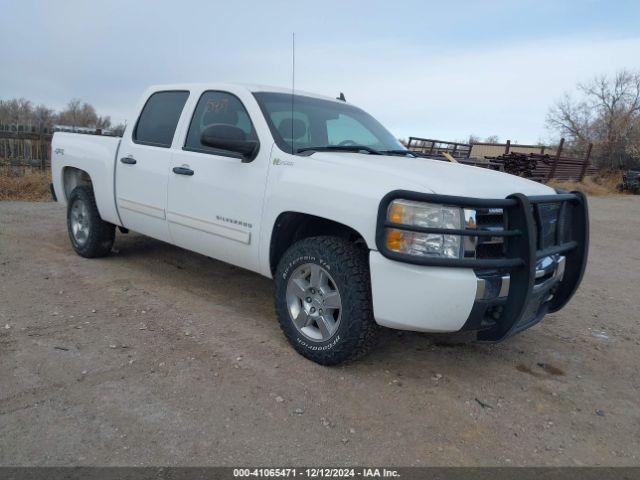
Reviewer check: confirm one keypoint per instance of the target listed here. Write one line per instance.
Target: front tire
(323, 300)
(90, 236)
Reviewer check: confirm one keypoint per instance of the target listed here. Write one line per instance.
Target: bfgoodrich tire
(90, 235)
(323, 300)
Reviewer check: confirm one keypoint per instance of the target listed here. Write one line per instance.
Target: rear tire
(323, 300)
(90, 236)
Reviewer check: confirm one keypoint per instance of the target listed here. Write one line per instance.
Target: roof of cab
(251, 88)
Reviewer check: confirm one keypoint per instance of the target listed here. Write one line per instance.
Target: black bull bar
(522, 233)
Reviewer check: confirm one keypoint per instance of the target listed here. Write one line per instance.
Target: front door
(142, 166)
(214, 198)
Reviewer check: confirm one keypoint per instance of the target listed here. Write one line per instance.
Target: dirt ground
(156, 355)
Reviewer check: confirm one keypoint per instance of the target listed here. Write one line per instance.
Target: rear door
(215, 208)
(143, 165)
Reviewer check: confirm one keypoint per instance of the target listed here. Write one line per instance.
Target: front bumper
(540, 280)
(421, 299)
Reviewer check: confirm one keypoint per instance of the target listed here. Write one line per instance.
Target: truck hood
(429, 176)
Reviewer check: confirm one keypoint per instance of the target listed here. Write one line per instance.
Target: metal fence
(538, 162)
(430, 147)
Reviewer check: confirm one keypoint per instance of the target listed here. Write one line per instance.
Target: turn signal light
(396, 212)
(394, 240)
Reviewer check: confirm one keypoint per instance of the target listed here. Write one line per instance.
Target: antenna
(293, 85)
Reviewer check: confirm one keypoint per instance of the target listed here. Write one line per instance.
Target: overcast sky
(435, 69)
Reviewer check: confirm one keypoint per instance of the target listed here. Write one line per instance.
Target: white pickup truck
(356, 231)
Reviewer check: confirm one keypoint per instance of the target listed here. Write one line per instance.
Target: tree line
(20, 111)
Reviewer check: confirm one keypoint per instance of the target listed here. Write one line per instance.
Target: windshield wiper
(340, 148)
(398, 152)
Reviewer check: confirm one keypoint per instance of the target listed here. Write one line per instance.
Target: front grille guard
(521, 236)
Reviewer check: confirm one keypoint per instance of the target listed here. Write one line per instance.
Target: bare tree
(82, 114)
(607, 113)
(76, 114)
(44, 117)
(18, 111)
(103, 122)
(71, 114)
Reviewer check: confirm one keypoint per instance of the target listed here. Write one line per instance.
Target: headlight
(423, 215)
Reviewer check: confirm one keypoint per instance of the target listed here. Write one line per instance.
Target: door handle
(129, 160)
(183, 171)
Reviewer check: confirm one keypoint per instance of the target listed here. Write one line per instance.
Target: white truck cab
(356, 231)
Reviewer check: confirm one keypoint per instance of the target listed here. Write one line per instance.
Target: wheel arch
(290, 227)
(73, 177)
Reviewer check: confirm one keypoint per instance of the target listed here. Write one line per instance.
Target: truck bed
(96, 155)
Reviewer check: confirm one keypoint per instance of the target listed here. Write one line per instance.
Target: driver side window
(217, 108)
(346, 129)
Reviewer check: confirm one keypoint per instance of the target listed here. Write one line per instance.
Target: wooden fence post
(585, 164)
(552, 172)
(507, 147)
(43, 161)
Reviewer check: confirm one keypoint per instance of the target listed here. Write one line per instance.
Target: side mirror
(230, 138)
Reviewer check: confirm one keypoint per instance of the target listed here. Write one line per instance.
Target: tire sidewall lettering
(319, 347)
(293, 264)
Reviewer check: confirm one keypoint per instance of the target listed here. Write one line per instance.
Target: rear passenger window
(218, 108)
(159, 118)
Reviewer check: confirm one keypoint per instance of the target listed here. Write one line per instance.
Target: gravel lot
(156, 355)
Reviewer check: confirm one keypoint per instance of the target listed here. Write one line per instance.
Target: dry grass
(604, 183)
(31, 185)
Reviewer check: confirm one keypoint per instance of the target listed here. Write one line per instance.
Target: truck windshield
(309, 123)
